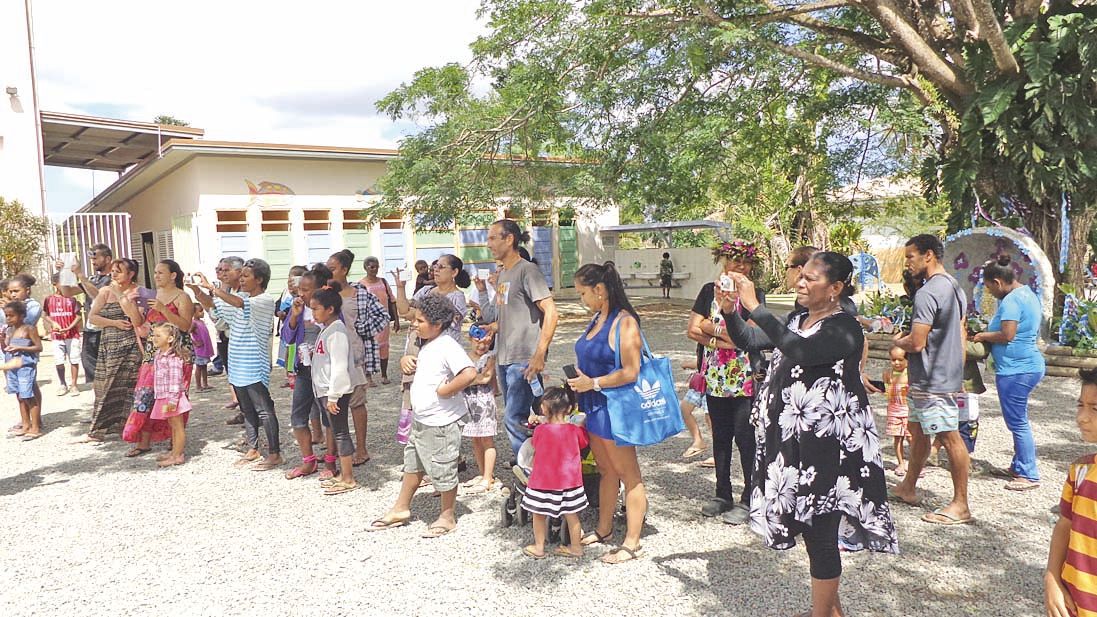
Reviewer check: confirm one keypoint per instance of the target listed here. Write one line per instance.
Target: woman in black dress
(818, 471)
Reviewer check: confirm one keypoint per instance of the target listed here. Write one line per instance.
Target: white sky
(275, 71)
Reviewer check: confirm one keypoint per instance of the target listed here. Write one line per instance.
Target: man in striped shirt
(250, 317)
(1070, 581)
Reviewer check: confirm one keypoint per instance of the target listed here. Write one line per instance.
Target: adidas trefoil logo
(647, 390)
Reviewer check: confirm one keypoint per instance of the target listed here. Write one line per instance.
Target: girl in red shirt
(555, 485)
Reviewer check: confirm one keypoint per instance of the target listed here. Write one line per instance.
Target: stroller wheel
(554, 531)
(523, 516)
(565, 535)
(506, 512)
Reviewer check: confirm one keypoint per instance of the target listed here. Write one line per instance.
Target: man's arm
(914, 342)
(548, 330)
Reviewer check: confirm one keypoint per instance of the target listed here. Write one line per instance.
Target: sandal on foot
(244, 461)
(708, 463)
(326, 475)
(358, 463)
(170, 462)
(563, 551)
(479, 488)
(917, 503)
(1018, 484)
(266, 465)
(473, 482)
(613, 559)
(382, 524)
(30, 436)
(528, 552)
(940, 517)
(436, 531)
(595, 538)
(339, 487)
(137, 452)
(297, 472)
(692, 452)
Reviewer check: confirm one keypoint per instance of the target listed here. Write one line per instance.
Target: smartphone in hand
(570, 371)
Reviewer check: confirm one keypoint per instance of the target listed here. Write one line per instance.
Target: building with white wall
(21, 176)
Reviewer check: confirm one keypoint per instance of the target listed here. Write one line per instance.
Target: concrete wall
(696, 262)
(20, 155)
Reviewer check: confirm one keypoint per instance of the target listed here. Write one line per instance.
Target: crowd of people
(791, 395)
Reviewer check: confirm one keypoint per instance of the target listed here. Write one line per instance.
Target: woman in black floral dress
(818, 471)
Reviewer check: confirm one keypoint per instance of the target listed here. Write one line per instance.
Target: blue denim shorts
(21, 381)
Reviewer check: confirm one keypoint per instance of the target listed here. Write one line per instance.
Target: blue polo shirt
(1021, 354)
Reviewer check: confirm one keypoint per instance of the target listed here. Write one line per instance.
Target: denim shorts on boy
(433, 450)
(936, 413)
(200, 361)
(358, 396)
(21, 381)
(66, 351)
(969, 432)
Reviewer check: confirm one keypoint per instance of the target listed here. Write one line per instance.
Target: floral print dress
(727, 371)
(818, 451)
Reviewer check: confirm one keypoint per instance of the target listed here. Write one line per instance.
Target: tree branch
(860, 40)
(964, 13)
(992, 30)
(922, 54)
(893, 81)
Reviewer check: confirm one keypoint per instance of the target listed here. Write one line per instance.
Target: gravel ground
(88, 531)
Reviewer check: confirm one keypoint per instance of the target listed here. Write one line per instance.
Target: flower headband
(738, 249)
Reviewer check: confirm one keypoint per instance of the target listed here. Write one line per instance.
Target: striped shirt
(249, 338)
(1079, 506)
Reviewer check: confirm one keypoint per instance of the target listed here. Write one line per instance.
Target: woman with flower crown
(729, 382)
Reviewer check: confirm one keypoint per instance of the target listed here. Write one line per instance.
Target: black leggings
(340, 424)
(821, 540)
(731, 423)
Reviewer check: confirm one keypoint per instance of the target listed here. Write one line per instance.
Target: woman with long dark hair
(171, 305)
(614, 328)
(1018, 364)
(818, 472)
(114, 310)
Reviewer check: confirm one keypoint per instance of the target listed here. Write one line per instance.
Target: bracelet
(712, 342)
(716, 329)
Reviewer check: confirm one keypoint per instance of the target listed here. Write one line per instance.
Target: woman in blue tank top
(601, 291)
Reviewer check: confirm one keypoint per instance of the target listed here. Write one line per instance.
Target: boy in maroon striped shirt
(63, 321)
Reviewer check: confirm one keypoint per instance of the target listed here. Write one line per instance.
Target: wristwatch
(597, 388)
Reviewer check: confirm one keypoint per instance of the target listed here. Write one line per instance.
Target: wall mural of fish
(268, 188)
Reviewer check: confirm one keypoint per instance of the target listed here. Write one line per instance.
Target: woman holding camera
(729, 374)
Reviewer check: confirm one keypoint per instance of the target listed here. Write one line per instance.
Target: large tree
(673, 105)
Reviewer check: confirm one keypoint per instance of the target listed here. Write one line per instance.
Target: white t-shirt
(439, 361)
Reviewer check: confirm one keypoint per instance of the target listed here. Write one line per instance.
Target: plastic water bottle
(535, 386)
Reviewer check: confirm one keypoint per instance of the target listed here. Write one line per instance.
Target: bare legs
(959, 462)
(824, 599)
(618, 465)
(483, 448)
(540, 534)
(178, 442)
(361, 420)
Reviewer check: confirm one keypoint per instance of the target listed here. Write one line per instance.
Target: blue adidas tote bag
(646, 412)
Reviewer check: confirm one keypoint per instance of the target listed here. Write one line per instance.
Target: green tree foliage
(169, 120)
(22, 237)
(756, 109)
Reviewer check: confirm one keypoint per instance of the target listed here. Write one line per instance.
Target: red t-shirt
(63, 311)
(557, 464)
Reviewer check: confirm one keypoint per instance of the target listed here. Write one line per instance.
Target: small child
(63, 322)
(442, 372)
(1068, 579)
(482, 424)
(21, 364)
(331, 383)
(19, 288)
(973, 387)
(203, 348)
(169, 389)
(555, 486)
(287, 348)
(694, 398)
(896, 385)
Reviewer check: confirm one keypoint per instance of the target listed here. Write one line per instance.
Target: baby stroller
(511, 509)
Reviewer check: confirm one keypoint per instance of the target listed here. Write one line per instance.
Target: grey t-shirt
(940, 367)
(519, 289)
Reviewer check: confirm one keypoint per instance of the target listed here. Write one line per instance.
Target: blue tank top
(28, 357)
(596, 359)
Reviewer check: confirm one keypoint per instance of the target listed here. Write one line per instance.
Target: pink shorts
(897, 423)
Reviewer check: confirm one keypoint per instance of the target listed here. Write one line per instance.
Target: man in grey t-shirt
(525, 315)
(935, 355)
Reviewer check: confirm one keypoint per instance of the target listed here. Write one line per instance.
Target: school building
(195, 201)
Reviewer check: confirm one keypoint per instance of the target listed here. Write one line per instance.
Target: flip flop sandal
(940, 517)
(135, 452)
(296, 472)
(1017, 485)
(529, 553)
(692, 452)
(436, 531)
(564, 552)
(708, 463)
(385, 382)
(598, 538)
(244, 461)
(326, 475)
(632, 554)
(265, 466)
(473, 482)
(892, 497)
(338, 488)
(166, 463)
(361, 462)
(478, 489)
(381, 524)
(31, 436)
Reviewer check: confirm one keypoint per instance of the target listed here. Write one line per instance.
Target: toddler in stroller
(551, 479)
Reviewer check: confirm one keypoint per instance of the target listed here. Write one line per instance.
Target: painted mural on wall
(269, 193)
(968, 250)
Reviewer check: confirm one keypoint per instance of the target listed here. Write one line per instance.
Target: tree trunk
(1044, 221)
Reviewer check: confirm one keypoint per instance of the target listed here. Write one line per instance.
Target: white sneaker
(62, 391)
(74, 391)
